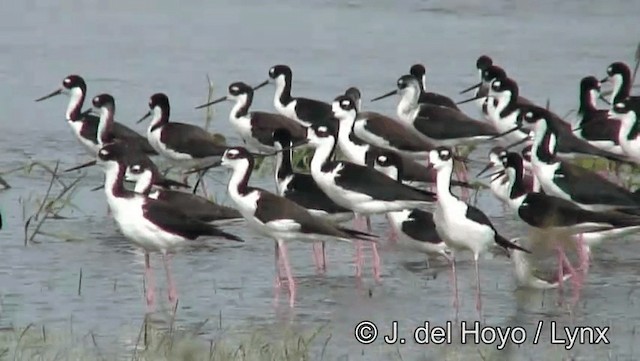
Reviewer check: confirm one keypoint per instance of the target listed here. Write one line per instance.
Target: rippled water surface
(134, 49)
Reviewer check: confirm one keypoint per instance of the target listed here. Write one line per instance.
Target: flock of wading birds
(390, 163)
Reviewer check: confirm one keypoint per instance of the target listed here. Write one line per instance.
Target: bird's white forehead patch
(104, 152)
(234, 88)
(497, 83)
(272, 70)
(620, 105)
(382, 158)
(609, 69)
(67, 81)
(345, 103)
(233, 152)
(322, 129)
(444, 153)
(136, 167)
(529, 114)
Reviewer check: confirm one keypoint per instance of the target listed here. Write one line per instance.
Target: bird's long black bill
(393, 92)
(221, 99)
(205, 168)
(147, 115)
(514, 129)
(50, 95)
(261, 85)
(604, 99)
(475, 86)
(85, 165)
(485, 169)
(86, 112)
(97, 188)
(471, 99)
(500, 173)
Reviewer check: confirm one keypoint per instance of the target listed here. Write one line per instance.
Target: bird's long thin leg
(287, 269)
(149, 283)
(454, 282)
(358, 243)
(173, 293)
(478, 288)
(278, 280)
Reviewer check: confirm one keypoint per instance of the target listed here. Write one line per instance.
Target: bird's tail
(166, 183)
(218, 233)
(506, 244)
(359, 235)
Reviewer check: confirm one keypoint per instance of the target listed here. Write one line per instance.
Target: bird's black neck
(283, 163)
(243, 104)
(160, 117)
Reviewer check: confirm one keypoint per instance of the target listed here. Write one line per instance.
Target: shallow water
(134, 49)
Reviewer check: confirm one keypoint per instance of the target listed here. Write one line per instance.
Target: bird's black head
(116, 151)
(418, 71)
(159, 100)
(618, 68)
(532, 115)
(103, 101)
(589, 83)
(278, 70)
(493, 72)
(483, 62)
(407, 81)
(504, 85)
(236, 153)
(74, 81)
(345, 102)
(388, 159)
(498, 151)
(440, 156)
(282, 136)
(353, 93)
(239, 88)
(622, 107)
(319, 133)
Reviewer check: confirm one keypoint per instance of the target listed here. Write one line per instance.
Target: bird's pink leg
(376, 261)
(478, 288)
(319, 257)
(278, 280)
(287, 269)
(583, 269)
(393, 233)
(454, 283)
(173, 293)
(358, 243)
(150, 293)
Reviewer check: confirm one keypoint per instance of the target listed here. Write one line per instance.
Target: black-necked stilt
(529, 277)
(499, 183)
(503, 109)
(456, 220)
(566, 144)
(256, 128)
(620, 75)
(420, 73)
(153, 225)
(629, 131)
(593, 124)
(183, 144)
(275, 216)
(303, 110)
(487, 76)
(416, 227)
(191, 205)
(439, 125)
(482, 63)
(359, 188)
(565, 180)
(547, 212)
(85, 125)
(302, 189)
(356, 146)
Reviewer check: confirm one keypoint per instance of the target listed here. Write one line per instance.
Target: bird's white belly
(458, 233)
